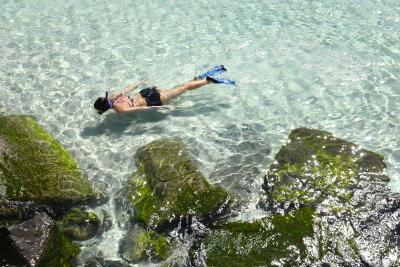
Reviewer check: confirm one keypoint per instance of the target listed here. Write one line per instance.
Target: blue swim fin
(214, 71)
(220, 80)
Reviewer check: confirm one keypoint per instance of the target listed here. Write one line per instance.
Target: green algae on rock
(279, 238)
(140, 244)
(168, 184)
(314, 166)
(35, 167)
(60, 250)
(356, 213)
(79, 224)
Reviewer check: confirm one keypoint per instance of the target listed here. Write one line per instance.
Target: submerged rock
(239, 171)
(316, 168)
(79, 224)
(37, 174)
(60, 251)
(35, 167)
(139, 245)
(38, 179)
(168, 185)
(275, 239)
(167, 193)
(327, 201)
(101, 262)
(356, 214)
(105, 221)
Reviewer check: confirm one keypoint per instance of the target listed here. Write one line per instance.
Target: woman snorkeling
(152, 97)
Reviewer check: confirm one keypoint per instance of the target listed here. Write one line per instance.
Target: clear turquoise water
(331, 65)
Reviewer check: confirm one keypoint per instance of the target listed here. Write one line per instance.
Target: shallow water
(331, 65)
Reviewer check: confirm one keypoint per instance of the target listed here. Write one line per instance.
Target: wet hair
(102, 104)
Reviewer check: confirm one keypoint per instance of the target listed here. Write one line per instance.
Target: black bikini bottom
(152, 96)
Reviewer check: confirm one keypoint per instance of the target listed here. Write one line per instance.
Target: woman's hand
(128, 89)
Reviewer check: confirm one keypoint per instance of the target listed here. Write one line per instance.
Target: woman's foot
(214, 71)
(220, 80)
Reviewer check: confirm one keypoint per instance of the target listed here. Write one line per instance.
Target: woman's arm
(134, 109)
(126, 90)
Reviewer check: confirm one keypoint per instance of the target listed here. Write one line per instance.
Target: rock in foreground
(139, 245)
(26, 241)
(79, 224)
(38, 177)
(60, 251)
(316, 168)
(279, 238)
(168, 185)
(35, 167)
(356, 214)
(167, 191)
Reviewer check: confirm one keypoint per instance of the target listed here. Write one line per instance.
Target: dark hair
(102, 104)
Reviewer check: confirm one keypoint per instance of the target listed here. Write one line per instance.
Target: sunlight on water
(331, 65)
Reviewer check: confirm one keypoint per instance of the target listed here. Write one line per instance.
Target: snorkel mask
(103, 104)
(108, 103)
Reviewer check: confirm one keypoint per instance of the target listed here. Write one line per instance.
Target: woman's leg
(168, 94)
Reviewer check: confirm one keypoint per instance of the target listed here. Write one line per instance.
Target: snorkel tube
(108, 104)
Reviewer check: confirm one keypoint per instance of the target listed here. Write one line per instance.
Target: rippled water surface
(331, 65)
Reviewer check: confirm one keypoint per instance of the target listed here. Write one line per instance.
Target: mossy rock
(315, 165)
(168, 184)
(79, 224)
(60, 250)
(140, 245)
(279, 238)
(9, 213)
(35, 167)
(348, 188)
